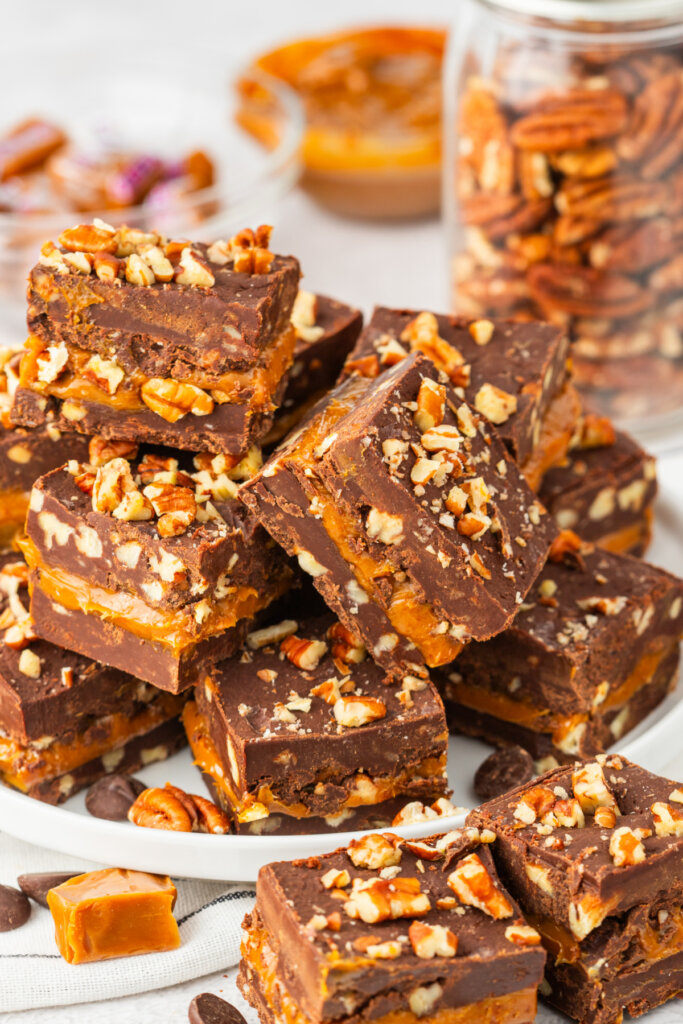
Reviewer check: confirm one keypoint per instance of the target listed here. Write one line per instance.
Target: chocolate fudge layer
(149, 567)
(593, 650)
(390, 930)
(594, 854)
(306, 725)
(326, 331)
(409, 514)
(605, 492)
(134, 336)
(515, 374)
(65, 720)
(25, 454)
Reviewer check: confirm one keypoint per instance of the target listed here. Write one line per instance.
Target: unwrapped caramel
(113, 912)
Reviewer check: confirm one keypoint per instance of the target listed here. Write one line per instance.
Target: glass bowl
(154, 110)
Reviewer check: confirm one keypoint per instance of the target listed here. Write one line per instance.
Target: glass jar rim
(616, 11)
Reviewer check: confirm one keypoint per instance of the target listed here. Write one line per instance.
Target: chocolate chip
(502, 771)
(15, 909)
(112, 796)
(37, 885)
(210, 1009)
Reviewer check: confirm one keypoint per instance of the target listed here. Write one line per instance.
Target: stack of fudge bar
(417, 473)
(571, 886)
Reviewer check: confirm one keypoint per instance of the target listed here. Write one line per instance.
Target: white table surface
(401, 265)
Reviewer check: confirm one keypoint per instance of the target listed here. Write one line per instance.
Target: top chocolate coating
(358, 477)
(578, 883)
(580, 634)
(166, 330)
(27, 454)
(170, 572)
(600, 490)
(289, 894)
(317, 363)
(245, 702)
(526, 360)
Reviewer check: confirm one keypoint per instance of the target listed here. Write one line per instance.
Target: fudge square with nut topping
(406, 509)
(66, 721)
(146, 566)
(389, 929)
(593, 852)
(135, 337)
(594, 648)
(515, 374)
(604, 489)
(305, 725)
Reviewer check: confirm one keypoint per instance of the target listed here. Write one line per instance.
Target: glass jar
(564, 185)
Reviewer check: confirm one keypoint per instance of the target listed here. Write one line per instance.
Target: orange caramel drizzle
(176, 629)
(557, 429)
(521, 712)
(413, 618)
(13, 508)
(27, 765)
(513, 1008)
(262, 803)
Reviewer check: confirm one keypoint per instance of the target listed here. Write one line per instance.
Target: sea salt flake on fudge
(420, 533)
(390, 934)
(592, 651)
(604, 489)
(514, 374)
(66, 721)
(150, 566)
(134, 336)
(308, 728)
(605, 891)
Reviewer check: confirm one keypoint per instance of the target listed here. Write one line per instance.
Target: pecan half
(585, 291)
(571, 121)
(175, 810)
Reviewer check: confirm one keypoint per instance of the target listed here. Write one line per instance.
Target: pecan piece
(101, 450)
(172, 400)
(175, 810)
(584, 291)
(579, 117)
(484, 146)
(612, 199)
(88, 238)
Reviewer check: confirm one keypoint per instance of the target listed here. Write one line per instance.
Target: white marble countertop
(392, 264)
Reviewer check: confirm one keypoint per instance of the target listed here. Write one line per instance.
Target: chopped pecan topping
(375, 851)
(380, 899)
(353, 712)
(305, 654)
(430, 940)
(473, 885)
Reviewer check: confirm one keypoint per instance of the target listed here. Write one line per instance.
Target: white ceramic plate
(70, 829)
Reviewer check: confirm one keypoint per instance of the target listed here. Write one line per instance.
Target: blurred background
(198, 120)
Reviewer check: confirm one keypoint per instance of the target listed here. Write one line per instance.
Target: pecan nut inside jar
(564, 171)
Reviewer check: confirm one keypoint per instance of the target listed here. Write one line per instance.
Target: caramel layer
(557, 429)
(561, 944)
(263, 802)
(176, 629)
(638, 534)
(255, 386)
(13, 508)
(515, 1008)
(538, 719)
(413, 618)
(27, 765)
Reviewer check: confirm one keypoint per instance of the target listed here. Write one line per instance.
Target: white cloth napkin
(33, 974)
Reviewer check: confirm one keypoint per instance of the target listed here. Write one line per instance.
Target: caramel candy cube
(113, 912)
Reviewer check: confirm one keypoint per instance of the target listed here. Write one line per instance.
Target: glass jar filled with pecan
(564, 185)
